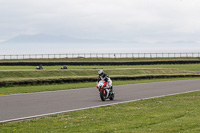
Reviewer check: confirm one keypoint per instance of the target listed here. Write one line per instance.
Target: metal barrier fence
(100, 55)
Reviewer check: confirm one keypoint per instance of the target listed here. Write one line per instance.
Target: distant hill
(44, 38)
(43, 43)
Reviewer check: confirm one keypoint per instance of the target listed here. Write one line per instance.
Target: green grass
(18, 67)
(101, 59)
(28, 74)
(192, 67)
(55, 87)
(170, 114)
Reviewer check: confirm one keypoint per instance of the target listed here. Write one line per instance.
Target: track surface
(21, 106)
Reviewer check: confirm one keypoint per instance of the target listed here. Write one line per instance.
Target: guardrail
(100, 55)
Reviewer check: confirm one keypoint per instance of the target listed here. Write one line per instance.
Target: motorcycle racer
(105, 77)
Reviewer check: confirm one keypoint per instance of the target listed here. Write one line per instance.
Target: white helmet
(100, 72)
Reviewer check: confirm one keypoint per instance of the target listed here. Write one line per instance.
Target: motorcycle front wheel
(102, 96)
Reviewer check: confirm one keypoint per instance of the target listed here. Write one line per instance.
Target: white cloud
(136, 20)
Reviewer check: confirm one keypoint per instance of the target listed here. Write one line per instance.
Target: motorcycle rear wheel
(112, 96)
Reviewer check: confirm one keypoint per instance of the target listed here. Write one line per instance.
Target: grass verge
(55, 87)
(23, 74)
(178, 113)
(192, 67)
(31, 77)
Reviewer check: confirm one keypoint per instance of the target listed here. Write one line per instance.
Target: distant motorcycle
(64, 67)
(39, 67)
(105, 93)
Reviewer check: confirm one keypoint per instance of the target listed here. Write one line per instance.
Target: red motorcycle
(105, 92)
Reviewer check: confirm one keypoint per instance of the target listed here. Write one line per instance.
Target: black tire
(102, 96)
(112, 96)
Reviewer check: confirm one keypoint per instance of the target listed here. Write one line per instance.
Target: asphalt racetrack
(30, 105)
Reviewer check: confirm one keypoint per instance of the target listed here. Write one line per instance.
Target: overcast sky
(144, 21)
